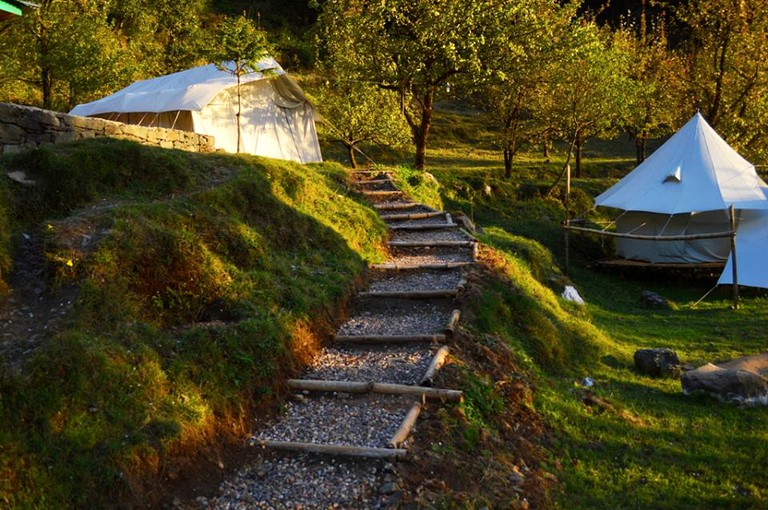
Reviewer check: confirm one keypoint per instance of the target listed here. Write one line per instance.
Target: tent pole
(735, 284)
(567, 219)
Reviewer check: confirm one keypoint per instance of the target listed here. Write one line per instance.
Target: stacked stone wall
(25, 127)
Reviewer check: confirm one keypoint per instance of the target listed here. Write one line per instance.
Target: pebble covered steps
(350, 420)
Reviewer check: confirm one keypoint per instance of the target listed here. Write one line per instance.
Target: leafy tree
(169, 35)
(63, 51)
(415, 49)
(240, 45)
(359, 112)
(727, 69)
(69, 51)
(587, 89)
(511, 96)
(656, 91)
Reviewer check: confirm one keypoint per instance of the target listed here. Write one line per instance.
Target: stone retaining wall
(24, 127)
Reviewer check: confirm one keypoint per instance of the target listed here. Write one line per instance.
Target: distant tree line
(540, 70)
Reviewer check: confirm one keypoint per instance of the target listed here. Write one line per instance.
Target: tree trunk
(546, 150)
(46, 82)
(238, 110)
(351, 154)
(507, 162)
(578, 145)
(421, 131)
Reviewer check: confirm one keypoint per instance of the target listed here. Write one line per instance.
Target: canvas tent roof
(189, 90)
(694, 171)
(275, 118)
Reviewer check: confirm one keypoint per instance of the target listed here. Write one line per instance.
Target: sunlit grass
(630, 441)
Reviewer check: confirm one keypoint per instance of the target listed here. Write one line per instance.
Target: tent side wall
(181, 120)
(673, 252)
(270, 126)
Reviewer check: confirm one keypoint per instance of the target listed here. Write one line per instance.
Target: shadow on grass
(191, 312)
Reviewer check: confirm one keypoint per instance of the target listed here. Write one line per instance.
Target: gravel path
(434, 221)
(403, 281)
(447, 234)
(425, 319)
(368, 420)
(404, 364)
(423, 256)
(307, 482)
(302, 481)
(418, 208)
(376, 185)
(403, 205)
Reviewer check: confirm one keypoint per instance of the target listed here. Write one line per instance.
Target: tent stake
(567, 219)
(735, 284)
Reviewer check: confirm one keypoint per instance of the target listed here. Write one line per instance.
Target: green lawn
(630, 441)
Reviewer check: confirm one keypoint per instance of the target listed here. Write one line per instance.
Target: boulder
(742, 380)
(657, 362)
(653, 300)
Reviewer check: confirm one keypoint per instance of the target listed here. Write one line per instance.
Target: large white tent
(686, 188)
(276, 118)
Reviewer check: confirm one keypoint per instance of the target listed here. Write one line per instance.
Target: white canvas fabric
(673, 252)
(276, 119)
(686, 187)
(751, 252)
(694, 171)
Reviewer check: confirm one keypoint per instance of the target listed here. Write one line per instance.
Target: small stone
(657, 362)
(389, 488)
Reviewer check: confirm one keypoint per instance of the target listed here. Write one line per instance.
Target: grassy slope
(631, 441)
(191, 306)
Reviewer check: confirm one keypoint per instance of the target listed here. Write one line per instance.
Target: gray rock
(657, 362)
(742, 380)
(653, 300)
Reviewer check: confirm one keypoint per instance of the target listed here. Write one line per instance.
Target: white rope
(703, 297)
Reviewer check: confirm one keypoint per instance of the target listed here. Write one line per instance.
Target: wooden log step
(397, 267)
(438, 360)
(369, 172)
(378, 180)
(339, 450)
(453, 322)
(395, 206)
(423, 392)
(411, 294)
(412, 216)
(428, 243)
(426, 226)
(388, 339)
(382, 193)
(402, 433)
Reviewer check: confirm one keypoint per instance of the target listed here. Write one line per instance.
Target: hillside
(156, 301)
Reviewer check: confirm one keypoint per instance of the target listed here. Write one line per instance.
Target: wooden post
(567, 222)
(735, 284)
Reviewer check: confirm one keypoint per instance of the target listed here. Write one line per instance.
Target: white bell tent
(685, 189)
(276, 118)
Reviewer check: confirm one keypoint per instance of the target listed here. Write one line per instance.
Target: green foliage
(724, 47)
(240, 41)
(356, 113)
(66, 52)
(412, 48)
